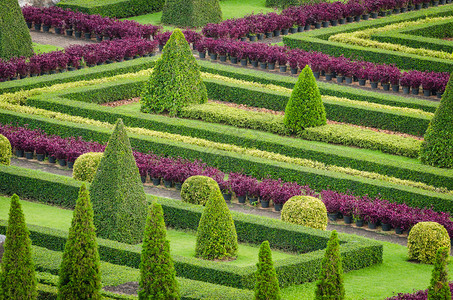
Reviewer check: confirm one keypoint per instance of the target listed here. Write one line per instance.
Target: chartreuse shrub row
(317, 40)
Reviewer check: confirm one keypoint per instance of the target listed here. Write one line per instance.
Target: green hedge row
(113, 8)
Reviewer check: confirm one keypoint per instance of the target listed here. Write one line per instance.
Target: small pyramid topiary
(439, 289)
(304, 108)
(175, 81)
(15, 39)
(216, 233)
(191, 13)
(17, 277)
(117, 193)
(437, 147)
(80, 276)
(157, 273)
(266, 287)
(330, 281)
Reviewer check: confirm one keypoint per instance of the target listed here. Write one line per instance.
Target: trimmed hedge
(191, 13)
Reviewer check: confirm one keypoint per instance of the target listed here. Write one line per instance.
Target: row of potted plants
(418, 295)
(69, 22)
(177, 170)
(76, 56)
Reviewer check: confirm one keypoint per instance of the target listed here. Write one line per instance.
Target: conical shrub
(304, 108)
(439, 288)
(117, 193)
(437, 147)
(175, 81)
(191, 13)
(80, 276)
(266, 287)
(157, 273)
(17, 279)
(216, 233)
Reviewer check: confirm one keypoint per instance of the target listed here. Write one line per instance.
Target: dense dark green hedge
(284, 3)
(191, 13)
(113, 8)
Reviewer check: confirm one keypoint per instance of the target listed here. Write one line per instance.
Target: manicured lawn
(40, 48)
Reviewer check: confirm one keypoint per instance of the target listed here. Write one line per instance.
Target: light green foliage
(306, 211)
(86, 165)
(80, 276)
(439, 289)
(5, 151)
(437, 147)
(176, 80)
(17, 279)
(117, 193)
(15, 38)
(424, 239)
(266, 287)
(197, 189)
(191, 13)
(157, 273)
(216, 233)
(330, 284)
(304, 108)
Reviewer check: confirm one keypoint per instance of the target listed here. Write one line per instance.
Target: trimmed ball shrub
(304, 108)
(175, 81)
(437, 147)
(439, 289)
(306, 211)
(266, 287)
(15, 40)
(157, 273)
(80, 274)
(191, 13)
(119, 200)
(216, 233)
(5, 151)
(17, 279)
(424, 239)
(86, 165)
(197, 189)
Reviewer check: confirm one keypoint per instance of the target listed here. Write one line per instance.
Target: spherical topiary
(196, 189)
(86, 165)
(424, 239)
(306, 211)
(5, 151)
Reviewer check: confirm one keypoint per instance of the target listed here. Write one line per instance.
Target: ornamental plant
(266, 286)
(80, 276)
(5, 151)
(176, 79)
(439, 289)
(424, 239)
(330, 281)
(17, 279)
(157, 273)
(198, 189)
(119, 200)
(304, 108)
(85, 166)
(306, 211)
(191, 13)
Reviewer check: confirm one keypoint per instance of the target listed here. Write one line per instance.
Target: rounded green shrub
(306, 211)
(5, 151)
(424, 239)
(197, 189)
(86, 165)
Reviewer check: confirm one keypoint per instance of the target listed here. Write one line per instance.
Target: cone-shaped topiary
(176, 79)
(157, 273)
(117, 193)
(439, 288)
(304, 108)
(266, 287)
(5, 151)
(330, 281)
(216, 233)
(437, 147)
(424, 239)
(191, 13)
(80, 276)
(17, 279)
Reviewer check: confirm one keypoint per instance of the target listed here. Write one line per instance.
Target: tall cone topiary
(437, 147)
(175, 81)
(17, 279)
(80, 276)
(191, 13)
(266, 287)
(304, 108)
(439, 288)
(216, 233)
(15, 40)
(330, 281)
(157, 273)
(117, 193)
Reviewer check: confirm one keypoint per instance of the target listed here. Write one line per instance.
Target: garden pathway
(57, 40)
